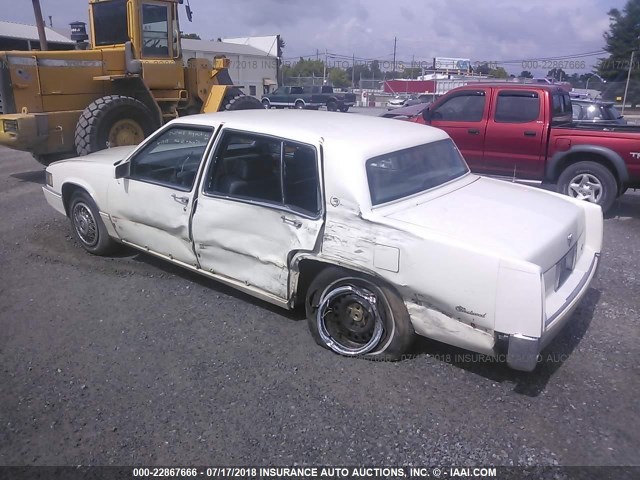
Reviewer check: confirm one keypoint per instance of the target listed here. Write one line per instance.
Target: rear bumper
(523, 350)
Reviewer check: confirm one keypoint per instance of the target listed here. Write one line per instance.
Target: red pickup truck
(526, 132)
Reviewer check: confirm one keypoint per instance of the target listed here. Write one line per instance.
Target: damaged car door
(150, 204)
(260, 202)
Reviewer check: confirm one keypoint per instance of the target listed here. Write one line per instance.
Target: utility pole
(353, 71)
(395, 43)
(626, 87)
(40, 24)
(324, 70)
(413, 61)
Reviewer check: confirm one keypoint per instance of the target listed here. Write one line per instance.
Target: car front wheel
(354, 316)
(88, 227)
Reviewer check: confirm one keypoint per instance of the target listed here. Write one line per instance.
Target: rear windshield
(413, 170)
(613, 112)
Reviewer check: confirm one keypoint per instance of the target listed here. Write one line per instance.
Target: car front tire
(357, 316)
(88, 227)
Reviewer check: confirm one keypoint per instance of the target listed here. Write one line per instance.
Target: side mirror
(427, 114)
(123, 170)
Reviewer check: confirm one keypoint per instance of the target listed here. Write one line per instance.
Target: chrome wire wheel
(349, 319)
(85, 224)
(586, 187)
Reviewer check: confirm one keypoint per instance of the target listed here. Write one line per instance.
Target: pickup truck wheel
(589, 181)
(88, 227)
(344, 109)
(266, 104)
(332, 106)
(299, 105)
(113, 121)
(356, 316)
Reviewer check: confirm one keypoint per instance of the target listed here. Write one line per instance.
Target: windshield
(110, 22)
(413, 170)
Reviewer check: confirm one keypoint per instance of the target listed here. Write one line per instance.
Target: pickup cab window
(467, 107)
(517, 107)
(561, 104)
(413, 170)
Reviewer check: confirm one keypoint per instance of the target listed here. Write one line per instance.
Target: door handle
(473, 131)
(291, 221)
(529, 133)
(182, 200)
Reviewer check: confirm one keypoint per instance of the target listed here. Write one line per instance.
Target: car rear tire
(589, 181)
(357, 316)
(88, 227)
(332, 106)
(344, 109)
(113, 121)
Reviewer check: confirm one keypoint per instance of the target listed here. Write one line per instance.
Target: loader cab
(149, 32)
(150, 25)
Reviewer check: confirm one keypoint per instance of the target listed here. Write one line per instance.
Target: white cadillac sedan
(377, 227)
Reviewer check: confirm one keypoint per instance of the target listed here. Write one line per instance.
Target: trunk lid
(507, 219)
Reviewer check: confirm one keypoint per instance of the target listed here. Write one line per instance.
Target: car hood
(504, 219)
(107, 156)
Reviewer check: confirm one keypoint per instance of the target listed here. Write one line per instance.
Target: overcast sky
(493, 30)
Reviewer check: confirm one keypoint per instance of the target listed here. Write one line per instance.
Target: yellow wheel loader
(132, 79)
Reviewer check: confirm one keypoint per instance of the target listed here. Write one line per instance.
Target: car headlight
(10, 126)
(49, 179)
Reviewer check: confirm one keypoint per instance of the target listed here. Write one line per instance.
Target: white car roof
(361, 136)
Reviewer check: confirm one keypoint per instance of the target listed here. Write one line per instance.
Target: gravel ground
(128, 360)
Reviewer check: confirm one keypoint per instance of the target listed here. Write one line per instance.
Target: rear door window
(264, 169)
(517, 107)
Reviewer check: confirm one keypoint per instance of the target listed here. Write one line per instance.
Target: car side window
(173, 158)
(517, 107)
(266, 169)
(300, 179)
(461, 108)
(247, 166)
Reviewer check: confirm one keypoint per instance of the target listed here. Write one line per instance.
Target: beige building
(252, 69)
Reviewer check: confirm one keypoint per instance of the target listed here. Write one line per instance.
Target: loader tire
(236, 100)
(113, 121)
